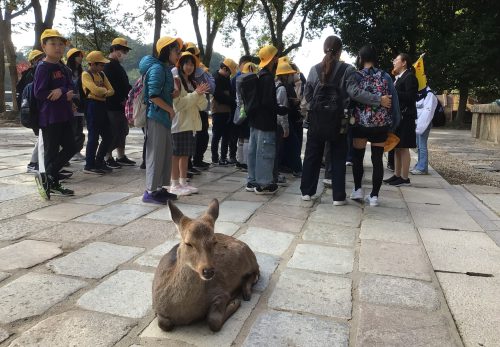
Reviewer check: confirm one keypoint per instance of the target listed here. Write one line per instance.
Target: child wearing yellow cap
(74, 59)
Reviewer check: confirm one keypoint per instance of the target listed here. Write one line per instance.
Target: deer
(203, 275)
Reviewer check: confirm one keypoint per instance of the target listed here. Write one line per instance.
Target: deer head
(198, 239)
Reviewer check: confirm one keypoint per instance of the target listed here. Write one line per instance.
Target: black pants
(59, 146)
(202, 139)
(118, 126)
(312, 166)
(390, 158)
(234, 131)
(78, 122)
(97, 125)
(220, 132)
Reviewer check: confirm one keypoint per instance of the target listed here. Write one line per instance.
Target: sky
(309, 54)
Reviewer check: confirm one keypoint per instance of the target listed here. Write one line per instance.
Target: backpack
(249, 92)
(439, 118)
(29, 107)
(372, 116)
(327, 119)
(135, 107)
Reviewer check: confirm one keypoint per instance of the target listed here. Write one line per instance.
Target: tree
(41, 22)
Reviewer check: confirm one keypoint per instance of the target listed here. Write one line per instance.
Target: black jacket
(407, 88)
(26, 78)
(265, 118)
(223, 101)
(119, 81)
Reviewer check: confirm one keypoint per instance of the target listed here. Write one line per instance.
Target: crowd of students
(258, 107)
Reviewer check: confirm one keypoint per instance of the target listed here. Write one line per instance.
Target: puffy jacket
(187, 108)
(158, 82)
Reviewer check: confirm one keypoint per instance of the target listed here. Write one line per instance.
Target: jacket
(119, 80)
(187, 108)
(222, 102)
(96, 87)
(158, 82)
(407, 87)
(265, 117)
(426, 107)
(282, 99)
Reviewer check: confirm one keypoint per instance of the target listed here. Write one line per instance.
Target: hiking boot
(56, 188)
(32, 167)
(93, 171)
(267, 189)
(390, 179)
(400, 182)
(111, 163)
(250, 187)
(125, 161)
(154, 198)
(357, 194)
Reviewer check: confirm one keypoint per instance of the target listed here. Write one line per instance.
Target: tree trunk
(158, 21)
(241, 27)
(2, 65)
(199, 39)
(462, 103)
(40, 23)
(10, 53)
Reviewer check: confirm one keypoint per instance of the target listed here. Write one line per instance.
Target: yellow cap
(73, 51)
(231, 64)
(284, 67)
(34, 54)
(266, 54)
(165, 41)
(48, 33)
(249, 67)
(96, 57)
(120, 41)
(185, 54)
(285, 59)
(192, 47)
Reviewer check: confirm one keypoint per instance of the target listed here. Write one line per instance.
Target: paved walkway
(422, 269)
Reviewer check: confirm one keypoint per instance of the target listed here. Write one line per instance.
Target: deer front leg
(248, 282)
(165, 323)
(221, 309)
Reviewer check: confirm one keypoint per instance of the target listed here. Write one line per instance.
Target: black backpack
(249, 92)
(439, 118)
(29, 107)
(327, 119)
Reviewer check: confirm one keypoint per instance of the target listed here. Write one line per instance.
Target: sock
(175, 183)
(357, 166)
(378, 169)
(183, 181)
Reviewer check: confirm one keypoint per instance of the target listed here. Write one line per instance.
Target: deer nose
(208, 273)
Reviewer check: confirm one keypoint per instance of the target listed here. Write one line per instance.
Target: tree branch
(19, 13)
(269, 16)
(292, 13)
(302, 31)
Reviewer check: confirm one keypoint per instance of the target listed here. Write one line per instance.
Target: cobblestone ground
(422, 269)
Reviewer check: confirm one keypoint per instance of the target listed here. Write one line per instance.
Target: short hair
(114, 48)
(245, 59)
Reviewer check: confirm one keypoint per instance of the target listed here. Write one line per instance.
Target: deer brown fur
(202, 276)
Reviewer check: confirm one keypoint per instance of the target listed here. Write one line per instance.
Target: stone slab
(276, 222)
(332, 260)
(71, 234)
(390, 326)
(4, 334)
(292, 200)
(249, 196)
(267, 265)
(95, 260)
(16, 228)
(102, 199)
(224, 187)
(448, 217)
(474, 304)
(191, 211)
(61, 212)
(11, 192)
(328, 233)
(427, 196)
(320, 294)
(33, 294)
(401, 292)
(199, 334)
(119, 214)
(267, 241)
(274, 328)
(482, 189)
(226, 228)
(22, 205)
(461, 251)
(347, 215)
(491, 200)
(394, 259)
(75, 328)
(387, 214)
(3, 275)
(28, 253)
(127, 294)
(295, 212)
(237, 211)
(144, 232)
(204, 198)
(382, 230)
(153, 257)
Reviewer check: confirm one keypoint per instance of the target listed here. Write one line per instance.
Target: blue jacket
(158, 82)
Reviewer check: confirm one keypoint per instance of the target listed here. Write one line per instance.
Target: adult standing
(116, 103)
(406, 85)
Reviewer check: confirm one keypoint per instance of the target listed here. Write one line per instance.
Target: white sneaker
(357, 194)
(179, 190)
(348, 163)
(327, 182)
(339, 203)
(78, 157)
(373, 201)
(191, 189)
(306, 197)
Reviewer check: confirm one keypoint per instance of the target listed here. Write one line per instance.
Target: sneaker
(390, 167)
(357, 194)
(306, 198)
(401, 182)
(32, 167)
(154, 198)
(78, 157)
(372, 200)
(64, 174)
(113, 164)
(281, 181)
(93, 171)
(179, 190)
(103, 166)
(223, 162)
(125, 161)
(43, 184)
(232, 161)
(418, 172)
(250, 187)
(339, 202)
(58, 189)
(194, 171)
(143, 166)
(348, 163)
(67, 164)
(242, 166)
(266, 190)
(169, 196)
(390, 179)
(327, 182)
(201, 165)
(297, 174)
(191, 189)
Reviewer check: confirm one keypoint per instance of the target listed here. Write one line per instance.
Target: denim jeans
(423, 158)
(261, 153)
(97, 125)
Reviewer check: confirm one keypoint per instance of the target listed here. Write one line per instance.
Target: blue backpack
(29, 107)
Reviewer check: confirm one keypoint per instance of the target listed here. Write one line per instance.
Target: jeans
(312, 166)
(423, 158)
(261, 153)
(97, 125)
(291, 150)
(221, 128)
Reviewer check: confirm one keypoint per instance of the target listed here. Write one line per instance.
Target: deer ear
(175, 213)
(213, 210)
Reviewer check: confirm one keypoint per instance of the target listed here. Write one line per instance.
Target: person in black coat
(407, 86)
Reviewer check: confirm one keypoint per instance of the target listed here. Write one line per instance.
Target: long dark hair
(183, 61)
(165, 52)
(407, 59)
(366, 54)
(331, 47)
(71, 63)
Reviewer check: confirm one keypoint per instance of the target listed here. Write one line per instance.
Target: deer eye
(189, 245)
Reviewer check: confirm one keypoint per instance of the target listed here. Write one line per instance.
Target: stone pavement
(422, 269)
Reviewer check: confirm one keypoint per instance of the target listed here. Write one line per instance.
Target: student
(222, 105)
(116, 103)
(186, 122)
(97, 88)
(74, 62)
(159, 93)
(53, 88)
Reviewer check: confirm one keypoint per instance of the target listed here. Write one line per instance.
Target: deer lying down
(202, 276)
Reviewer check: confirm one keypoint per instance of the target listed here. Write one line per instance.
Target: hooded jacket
(158, 82)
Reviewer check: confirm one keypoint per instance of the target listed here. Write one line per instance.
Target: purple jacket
(49, 76)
